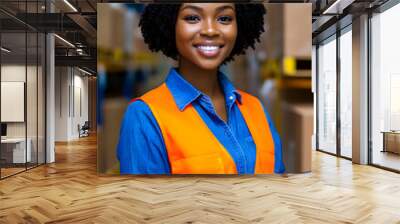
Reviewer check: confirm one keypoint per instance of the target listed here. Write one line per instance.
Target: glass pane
(31, 100)
(385, 83)
(41, 99)
(31, 86)
(327, 97)
(13, 87)
(346, 94)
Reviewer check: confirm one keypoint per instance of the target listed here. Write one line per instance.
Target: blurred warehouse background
(278, 71)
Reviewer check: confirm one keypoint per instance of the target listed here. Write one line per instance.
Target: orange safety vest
(193, 149)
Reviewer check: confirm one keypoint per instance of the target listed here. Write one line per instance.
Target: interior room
(22, 101)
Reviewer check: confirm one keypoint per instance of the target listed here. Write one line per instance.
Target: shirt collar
(185, 93)
(230, 92)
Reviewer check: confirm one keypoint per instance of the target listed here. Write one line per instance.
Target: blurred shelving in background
(278, 71)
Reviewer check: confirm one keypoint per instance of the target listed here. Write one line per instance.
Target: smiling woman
(196, 122)
(205, 35)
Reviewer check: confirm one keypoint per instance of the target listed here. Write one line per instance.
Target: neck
(204, 80)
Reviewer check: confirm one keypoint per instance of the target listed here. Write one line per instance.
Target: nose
(209, 29)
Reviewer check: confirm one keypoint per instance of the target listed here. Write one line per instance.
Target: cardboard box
(297, 123)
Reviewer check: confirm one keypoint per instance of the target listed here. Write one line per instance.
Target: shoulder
(139, 120)
(140, 104)
(254, 103)
(137, 106)
(249, 98)
(155, 93)
(138, 110)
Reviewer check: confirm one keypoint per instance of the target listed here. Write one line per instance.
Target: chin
(210, 65)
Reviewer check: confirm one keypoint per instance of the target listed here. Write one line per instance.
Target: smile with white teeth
(208, 50)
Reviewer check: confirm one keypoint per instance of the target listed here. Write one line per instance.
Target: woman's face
(205, 33)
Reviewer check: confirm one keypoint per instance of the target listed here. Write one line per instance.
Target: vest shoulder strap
(256, 120)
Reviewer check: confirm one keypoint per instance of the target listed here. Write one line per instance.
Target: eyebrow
(196, 8)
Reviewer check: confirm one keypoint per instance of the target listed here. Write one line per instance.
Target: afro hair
(158, 28)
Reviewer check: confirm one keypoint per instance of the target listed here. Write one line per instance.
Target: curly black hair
(158, 28)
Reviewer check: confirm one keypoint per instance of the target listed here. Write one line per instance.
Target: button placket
(207, 104)
(228, 130)
(242, 158)
(210, 108)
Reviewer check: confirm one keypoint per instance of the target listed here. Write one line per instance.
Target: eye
(192, 18)
(225, 19)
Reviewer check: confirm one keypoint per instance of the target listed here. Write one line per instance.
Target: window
(327, 96)
(346, 92)
(385, 88)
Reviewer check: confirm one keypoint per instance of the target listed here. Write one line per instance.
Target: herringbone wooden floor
(70, 191)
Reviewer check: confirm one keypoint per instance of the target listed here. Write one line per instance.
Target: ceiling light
(338, 6)
(84, 71)
(5, 50)
(64, 40)
(79, 51)
(70, 5)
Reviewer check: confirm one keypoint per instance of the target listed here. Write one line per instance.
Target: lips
(208, 50)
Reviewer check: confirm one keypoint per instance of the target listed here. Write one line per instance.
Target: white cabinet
(19, 155)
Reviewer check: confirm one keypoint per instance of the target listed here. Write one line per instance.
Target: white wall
(13, 73)
(80, 100)
(12, 101)
(33, 126)
(61, 103)
(71, 93)
(16, 73)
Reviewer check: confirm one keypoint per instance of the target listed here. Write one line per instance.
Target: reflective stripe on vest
(193, 149)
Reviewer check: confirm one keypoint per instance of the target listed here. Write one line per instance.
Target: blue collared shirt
(141, 148)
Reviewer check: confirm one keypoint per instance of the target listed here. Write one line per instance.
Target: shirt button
(231, 97)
